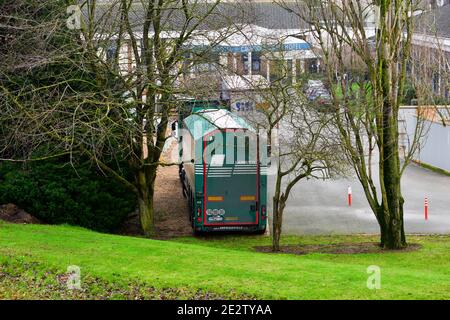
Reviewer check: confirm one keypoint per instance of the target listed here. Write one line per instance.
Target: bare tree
(105, 91)
(303, 140)
(309, 150)
(367, 104)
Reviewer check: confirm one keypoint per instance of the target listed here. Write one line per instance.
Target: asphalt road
(321, 207)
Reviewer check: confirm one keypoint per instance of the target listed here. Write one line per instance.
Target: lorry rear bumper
(243, 229)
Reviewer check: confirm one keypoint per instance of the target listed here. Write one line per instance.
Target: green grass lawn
(225, 266)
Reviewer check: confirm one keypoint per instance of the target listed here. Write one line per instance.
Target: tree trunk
(145, 199)
(393, 234)
(392, 226)
(278, 210)
(277, 221)
(147, 216)
(278, 206)
(269, 143)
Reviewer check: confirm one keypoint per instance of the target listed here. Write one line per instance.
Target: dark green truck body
(221, 171)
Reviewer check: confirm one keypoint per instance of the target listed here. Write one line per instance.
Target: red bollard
(426, 208)
(349, 196)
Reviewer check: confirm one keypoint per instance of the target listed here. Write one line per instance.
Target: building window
(242, 64)
(256, 62)
(281, 70)
(245, 62)
(408, 68)
(298, 69)
(206, 62)
(436, 82)
(312, 65)
(111, 51)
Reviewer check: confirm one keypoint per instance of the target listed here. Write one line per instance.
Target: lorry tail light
(263, 211)
(199, 211)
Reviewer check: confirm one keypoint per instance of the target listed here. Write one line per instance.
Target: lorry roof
(206, 121)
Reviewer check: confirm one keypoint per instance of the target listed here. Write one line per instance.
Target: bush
(409, 94)
(55, 193)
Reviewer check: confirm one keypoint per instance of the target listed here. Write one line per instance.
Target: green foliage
(440, 100)
(409, 93)
(56, 193)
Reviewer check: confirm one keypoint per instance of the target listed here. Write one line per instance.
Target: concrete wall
(434, 148)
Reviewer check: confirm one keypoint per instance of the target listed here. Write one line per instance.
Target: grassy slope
(228, 264)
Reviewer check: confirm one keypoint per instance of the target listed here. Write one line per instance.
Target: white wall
(434, 148)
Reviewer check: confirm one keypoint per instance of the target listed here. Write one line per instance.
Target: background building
(431, 52)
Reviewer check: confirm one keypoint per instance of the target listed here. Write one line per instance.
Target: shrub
(409, 93)
(55, 193)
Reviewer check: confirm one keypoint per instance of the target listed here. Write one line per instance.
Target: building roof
(273, 16)
(435, 22)
(264, 14)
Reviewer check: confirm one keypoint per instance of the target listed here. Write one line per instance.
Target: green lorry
(221, 170)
